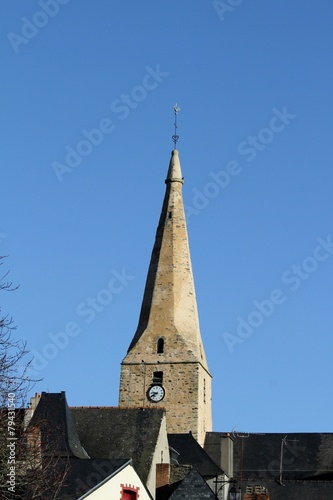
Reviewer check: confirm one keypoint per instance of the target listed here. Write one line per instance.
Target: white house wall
(161, 455)
(111, 489)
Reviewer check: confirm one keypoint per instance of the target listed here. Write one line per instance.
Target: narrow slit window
(170, 215)
(160, 346)
(158, 378)
(204, 390)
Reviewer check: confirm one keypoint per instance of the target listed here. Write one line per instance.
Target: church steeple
(169, 303)
(166, 349)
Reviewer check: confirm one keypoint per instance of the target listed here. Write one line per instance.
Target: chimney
(162, 475)
(31, 409)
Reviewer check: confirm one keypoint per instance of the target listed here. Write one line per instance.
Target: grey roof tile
(58, 433)
(120, 432)
(193, 487)
(191, 453)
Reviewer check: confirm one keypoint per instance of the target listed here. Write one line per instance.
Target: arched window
(160, 346)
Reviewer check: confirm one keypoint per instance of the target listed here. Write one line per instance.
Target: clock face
(156, 393)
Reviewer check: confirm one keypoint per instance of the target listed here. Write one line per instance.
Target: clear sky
(87, 95)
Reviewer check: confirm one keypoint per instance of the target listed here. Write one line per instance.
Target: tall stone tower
(165, 365)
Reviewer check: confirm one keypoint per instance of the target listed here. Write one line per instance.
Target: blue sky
(87, 99)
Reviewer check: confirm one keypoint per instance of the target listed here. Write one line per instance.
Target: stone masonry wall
(187, 403)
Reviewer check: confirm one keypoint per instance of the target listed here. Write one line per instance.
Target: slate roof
(307, 463)
(305, 455)
(58, 433)
(188, 484)
(119, 433)
(193, 487)
(191, 453)
(83, 475)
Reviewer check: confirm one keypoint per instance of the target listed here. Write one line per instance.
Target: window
(129, 495)
(160, 345)
(129, 492)
(158, 378)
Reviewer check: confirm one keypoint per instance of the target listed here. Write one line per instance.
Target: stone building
(165, 365)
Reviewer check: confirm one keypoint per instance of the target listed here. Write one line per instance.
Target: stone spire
(165, 365)
(169, 307)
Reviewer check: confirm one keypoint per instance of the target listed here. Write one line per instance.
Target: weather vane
(175, 137)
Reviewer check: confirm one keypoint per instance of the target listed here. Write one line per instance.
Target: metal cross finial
(175, 137)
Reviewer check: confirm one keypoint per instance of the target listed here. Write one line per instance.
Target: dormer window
(160, 346)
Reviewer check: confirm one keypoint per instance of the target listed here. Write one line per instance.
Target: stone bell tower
(165, 365)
